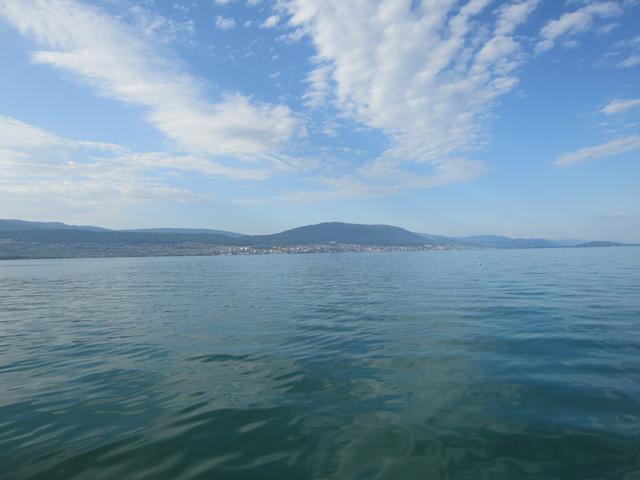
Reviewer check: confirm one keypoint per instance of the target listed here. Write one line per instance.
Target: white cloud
(576, 22)
(510, 16)
(36, 164)
(630, 61)
(104, 52)
(630, 49)
(624, 53)
(609, 149)
(158, 27)
(270, 22)
(608, 28)
(319, 86)
(224, 23)
(569, 44)
(17, 135)
(30, 144)
(620, 106)
(291, 37)
(75, 178)
(618, 215)
(427, 77)
(351, 186)
(224, 3)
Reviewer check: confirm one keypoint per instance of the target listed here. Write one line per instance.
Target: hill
(499, 241)
(323, 233)
(113, 236)
(602, 244)
(22, 239)
(349, 233)
(11, 225)
(186, 231)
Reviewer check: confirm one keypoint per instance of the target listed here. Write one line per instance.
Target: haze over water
(462, 364)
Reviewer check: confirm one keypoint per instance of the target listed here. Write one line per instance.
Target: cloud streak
(576, 22)
(270, 22)
(108, 55)
(224, 23)
(18, 135)
(423, 78)
(37, 164)
(612, 148)
(621, 106)
(427, 77)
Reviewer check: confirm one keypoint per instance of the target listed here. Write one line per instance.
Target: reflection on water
(465, 365)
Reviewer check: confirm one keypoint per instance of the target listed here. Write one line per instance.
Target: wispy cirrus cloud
(427, 76)
(625, 53)
(620, 106)
(576, 22)
(109, 55)
(270, 22)
(319, 86)
(612, 148)
(160, 28)
(224, 23)
(631, 61)
(22, 137)
(33, 144)
(38, 164)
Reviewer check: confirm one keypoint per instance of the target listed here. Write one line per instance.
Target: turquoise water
(465, 365)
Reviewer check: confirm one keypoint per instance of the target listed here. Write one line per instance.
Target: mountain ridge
(12, 224)
(15, 225)
(23, 239)
(226, 233)
(340, 232)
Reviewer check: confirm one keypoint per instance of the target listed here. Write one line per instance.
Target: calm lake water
(465, 365)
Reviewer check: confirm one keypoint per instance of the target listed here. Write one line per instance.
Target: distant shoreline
(208, 251)
(291, 250)
(21, 239)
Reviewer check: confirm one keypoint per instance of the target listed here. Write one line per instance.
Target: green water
(429, 365)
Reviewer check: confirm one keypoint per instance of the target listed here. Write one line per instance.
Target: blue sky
(450, 117)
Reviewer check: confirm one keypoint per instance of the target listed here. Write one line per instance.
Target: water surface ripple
(519, 364)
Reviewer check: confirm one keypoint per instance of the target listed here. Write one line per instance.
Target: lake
(485, 364)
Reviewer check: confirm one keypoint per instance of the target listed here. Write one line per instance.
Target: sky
(452, 117)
